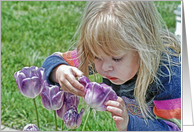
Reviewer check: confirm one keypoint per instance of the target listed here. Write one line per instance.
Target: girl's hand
(119, 113)
(66, 77)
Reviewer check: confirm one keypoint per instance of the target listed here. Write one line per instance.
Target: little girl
(127, 43)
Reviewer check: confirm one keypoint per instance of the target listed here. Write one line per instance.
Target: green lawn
(31, 31)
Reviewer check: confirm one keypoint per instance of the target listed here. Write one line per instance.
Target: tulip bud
(72, 119)
(30, 81)
(30, 127)
(97, 94)
(52, 97)
(69, 100)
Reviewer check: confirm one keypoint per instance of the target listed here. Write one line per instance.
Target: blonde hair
(131, 25)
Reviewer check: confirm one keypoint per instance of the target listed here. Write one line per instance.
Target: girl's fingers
(119, 103)
(115, 110)
(72, 80)
(118, 119)
(119, 99)
(76, 72)
(120, 123)
(66, 86)
(113, 103)
(119, 113)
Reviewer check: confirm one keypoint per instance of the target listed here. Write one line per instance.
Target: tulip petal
(72, 119)
(28, 71)
(57, 100)
(41, 74)
(69, 101)
(53, 89)
(52, 97)
(31, 87)
(67, 96)
(73, 100)
(97, 94)
(30, 127)
(45, 100)
(79, 120)
(45, 89)
(30, 81)
(19, 76)
(84, 80)
(60, 112)
(69, 118)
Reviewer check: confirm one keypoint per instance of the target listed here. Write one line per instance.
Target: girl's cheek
(98, 67)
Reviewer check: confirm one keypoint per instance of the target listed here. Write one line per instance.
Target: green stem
(37, 120)
(62, 125)
(86, 119)
(55, 120)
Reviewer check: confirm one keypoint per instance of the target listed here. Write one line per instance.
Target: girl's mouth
(111, 78)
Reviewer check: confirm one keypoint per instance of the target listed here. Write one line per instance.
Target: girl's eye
(117, 59)
(97, 58)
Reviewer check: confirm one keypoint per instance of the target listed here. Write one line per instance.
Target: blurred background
(30, 32)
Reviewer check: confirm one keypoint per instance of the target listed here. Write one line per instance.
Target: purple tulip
(72, 119)
(52, 97)
(30, 127)
(68, 112)
(97, 94)
(30, 81)
(69, 100)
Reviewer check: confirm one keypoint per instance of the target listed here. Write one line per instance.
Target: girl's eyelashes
(97, 58)
(113, 58)
(117, 59)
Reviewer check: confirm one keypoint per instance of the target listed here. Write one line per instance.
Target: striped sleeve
(70, 57)
(169, 111)
(168, 102)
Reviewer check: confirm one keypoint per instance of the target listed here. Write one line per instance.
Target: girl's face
(118, 69)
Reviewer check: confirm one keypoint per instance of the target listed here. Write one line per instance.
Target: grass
(30, 32)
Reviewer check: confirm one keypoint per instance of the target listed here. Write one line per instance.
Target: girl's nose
(106, 66)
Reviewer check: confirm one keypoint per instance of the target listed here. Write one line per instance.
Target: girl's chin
(117, 82)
